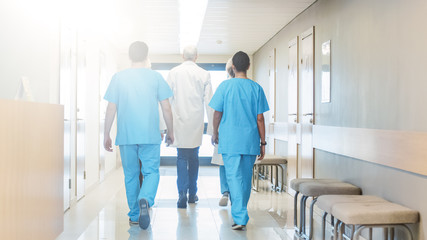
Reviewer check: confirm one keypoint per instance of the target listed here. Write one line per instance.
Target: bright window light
(192, 13)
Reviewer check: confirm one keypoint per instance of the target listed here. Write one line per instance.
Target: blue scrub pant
(223, 180)
(149, 154)
(187, 168)
(239, 177)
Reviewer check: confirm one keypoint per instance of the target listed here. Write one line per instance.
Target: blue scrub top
(136, 93)
(240, 100)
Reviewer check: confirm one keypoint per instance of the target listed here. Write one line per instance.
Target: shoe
(193, 198)
(144, 215)
(133, 222)
(223, 202)
(182, 200)
(238, 227)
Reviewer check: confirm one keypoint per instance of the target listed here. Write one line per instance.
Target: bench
(269, 161)
(326, 202)
(370, 212)
(315, 188)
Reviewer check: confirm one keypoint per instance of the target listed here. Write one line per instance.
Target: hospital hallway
(102, 214)
(334, 89)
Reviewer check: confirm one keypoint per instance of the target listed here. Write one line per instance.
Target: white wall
(29, 46)
(378, 81)
(95, 106)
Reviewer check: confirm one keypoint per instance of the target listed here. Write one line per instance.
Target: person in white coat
(192, 91)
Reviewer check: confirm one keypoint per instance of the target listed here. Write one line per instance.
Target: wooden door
(292, 111)
(307, 103)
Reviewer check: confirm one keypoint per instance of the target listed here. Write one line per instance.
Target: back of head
(138, 51)
(241, 61)
(229, 69)
(190, 53)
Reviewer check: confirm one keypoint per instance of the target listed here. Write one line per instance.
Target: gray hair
(189, 53)
(229, 69)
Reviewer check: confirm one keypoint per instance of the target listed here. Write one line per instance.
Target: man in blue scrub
(135, 94)
(239, 105)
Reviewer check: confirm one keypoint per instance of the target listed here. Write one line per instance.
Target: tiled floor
(102, 213)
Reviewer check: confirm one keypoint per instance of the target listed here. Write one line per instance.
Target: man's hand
(108, 143)
(262, 153)
(214, 139)
(169, 139)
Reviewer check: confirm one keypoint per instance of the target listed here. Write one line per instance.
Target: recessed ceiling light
(218, 42)
(191, 15)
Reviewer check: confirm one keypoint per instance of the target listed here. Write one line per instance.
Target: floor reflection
(271, 214)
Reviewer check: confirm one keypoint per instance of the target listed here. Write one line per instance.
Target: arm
(261, 131)
(216, 120)
(110, 114)
(167, 115)
(207, 98)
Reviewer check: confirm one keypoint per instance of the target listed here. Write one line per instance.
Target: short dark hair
(241, 61)
(138, 51)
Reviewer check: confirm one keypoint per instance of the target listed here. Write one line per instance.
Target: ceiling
(229, 25)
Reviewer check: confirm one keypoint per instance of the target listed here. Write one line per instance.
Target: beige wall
(31, 170)
(378, 81)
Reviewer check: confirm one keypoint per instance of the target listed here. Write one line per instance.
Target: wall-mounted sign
(326, 72)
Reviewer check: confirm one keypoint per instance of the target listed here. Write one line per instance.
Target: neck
(144, 64)
(241, 75)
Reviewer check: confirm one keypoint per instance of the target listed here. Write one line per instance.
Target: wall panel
(31, 170)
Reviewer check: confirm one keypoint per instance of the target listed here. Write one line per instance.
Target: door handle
(308, 114)
(292, 114)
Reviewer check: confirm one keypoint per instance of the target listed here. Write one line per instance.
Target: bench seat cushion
(374, 213)
(325, 202)
(295, 183)
(271, 160)
(315, 189)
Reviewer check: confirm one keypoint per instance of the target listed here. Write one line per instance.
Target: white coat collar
(189, 63)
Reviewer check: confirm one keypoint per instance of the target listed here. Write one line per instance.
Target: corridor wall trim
(398, 149)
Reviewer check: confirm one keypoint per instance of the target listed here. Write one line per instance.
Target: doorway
(306, 158)
(292, 111)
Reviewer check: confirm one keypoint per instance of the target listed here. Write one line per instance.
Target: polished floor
(102, 213)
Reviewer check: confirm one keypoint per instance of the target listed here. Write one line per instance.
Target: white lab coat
(192, 91)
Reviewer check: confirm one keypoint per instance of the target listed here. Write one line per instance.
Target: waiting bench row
(344, 202)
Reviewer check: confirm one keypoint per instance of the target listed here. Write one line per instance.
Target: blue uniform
(136, 93)
(240, 101)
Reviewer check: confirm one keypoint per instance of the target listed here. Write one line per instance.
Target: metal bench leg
(277, 178)
(302, 214)
(296, 212)
(406, 230)
(352, 231)
(310, 236)
(257, 178)
(271, 176)
(385, 233)
(336, 229)
(341, 230)
(324, 225)
(391, 234)
(279, 188)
